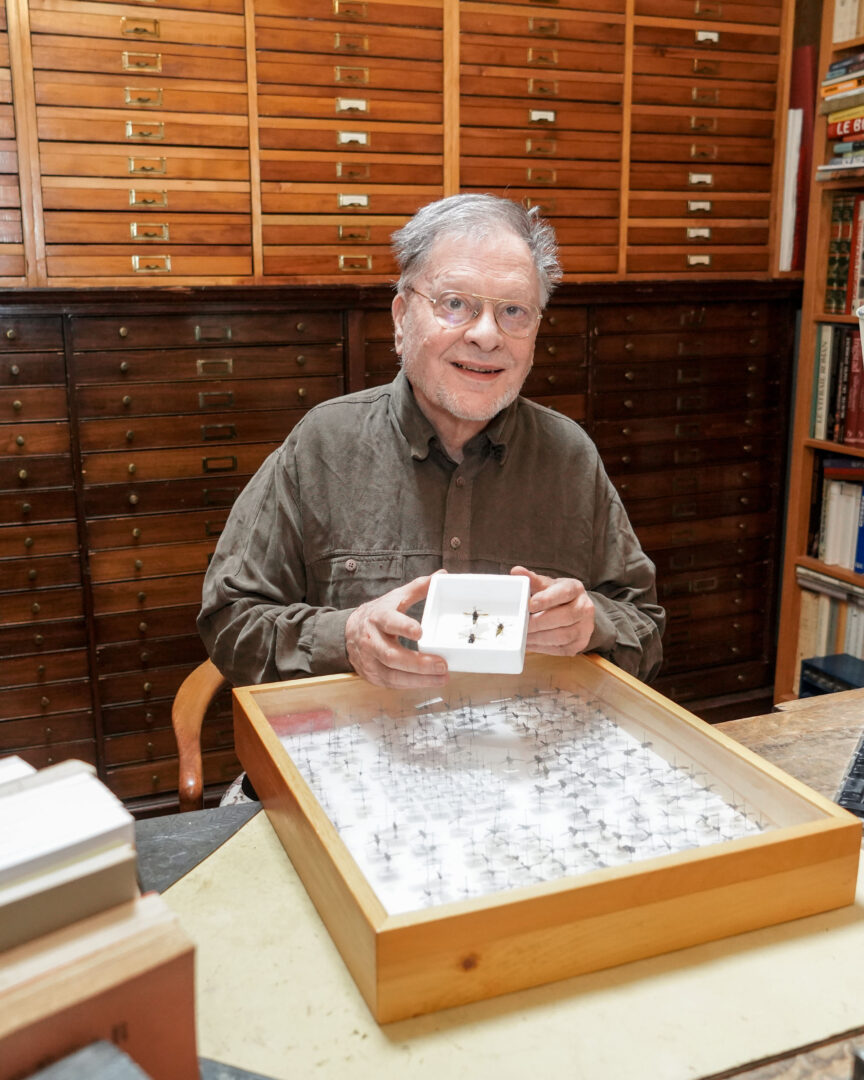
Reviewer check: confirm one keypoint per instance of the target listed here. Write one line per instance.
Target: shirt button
(460, 481)
(351, 565)
(455, 542)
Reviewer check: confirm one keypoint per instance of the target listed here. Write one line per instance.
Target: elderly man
(331, 546)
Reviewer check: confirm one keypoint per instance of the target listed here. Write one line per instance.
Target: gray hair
(480, 216)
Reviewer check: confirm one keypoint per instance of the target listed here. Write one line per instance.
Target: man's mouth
(477, 370)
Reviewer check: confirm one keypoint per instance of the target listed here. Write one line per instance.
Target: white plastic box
(477, 622)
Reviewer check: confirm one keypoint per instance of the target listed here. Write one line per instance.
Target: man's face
(468, 372)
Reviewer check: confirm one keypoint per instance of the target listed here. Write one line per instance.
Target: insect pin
(475, 614)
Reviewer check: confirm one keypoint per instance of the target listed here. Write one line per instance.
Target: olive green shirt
(361, 497)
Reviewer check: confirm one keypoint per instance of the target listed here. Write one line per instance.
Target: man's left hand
(561, 614)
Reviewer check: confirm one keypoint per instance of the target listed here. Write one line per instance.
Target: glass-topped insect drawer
(517, 829)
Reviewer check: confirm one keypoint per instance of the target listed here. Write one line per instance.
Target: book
(67, 849)
(847, 113)
(851, 127)
(846, 99)
(125, 975)
(824, 353)
(858, 560)
(845, 20)
(843, 467)
(854, 433)
(830, 87)
(841, 393)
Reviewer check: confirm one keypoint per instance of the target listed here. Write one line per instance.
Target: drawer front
(144, 596)
(93, 90)
(157, 744)
(49, 539)
(536, 119)
(25, 403)
(26, 334)
(685, 533)
(202, 364)
(336, 43)
(699, 177)
(151, 529)
(174, 163)
(205, 398)
(639, 431)
(765, 14)
(44, 573)
(139, 129)
(16, 735)
(175, 464)
(685, 64)
(541, 27)
(282, 71)
(704, 91)
(698, 506)
(151, 56)
(146, 231)
(141, 657)
(699, 123)
(659, 261)
(655, 318)
(677, 235)
(688, 346)
(705, 41)
(696, 400)
(44, 637)
(552, 174)
(145, 196)
(592, 204)
(31, 369)
(534, 56)
(700, 149)
(302, 261)
(692, 563)
(220, 428)
(41, 701)
(37, 605)
(559, 379)
(205, 493)
(140, 563)
(22, 440)
(158, 777)
(706, 478)
(344, 136)
(717, 372)
(350, 168)
(194, 28)
(133, 626)
(558, 145)
(349, 102)
(350, 199)
(699, 206)
(42, 669)
(355, 12)
(226, 6)
(36, 506)
(623, 460)
(203, 329)
(716, 579)
(112, 262)
(291, 230)
(552, 87)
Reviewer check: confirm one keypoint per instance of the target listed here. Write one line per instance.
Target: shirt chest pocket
(346, 581)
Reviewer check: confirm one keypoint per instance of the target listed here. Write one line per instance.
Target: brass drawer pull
(349, 138)
(707, 37)
(344, 199)
(703, 153)
(219, 464)
(351, 105)
(155, 264)
(543, 27)
(11, 334)
(541, 147)
(357, 43)
(352, 172)
(703, 123)
(351, 76)
(141, 61)
(218, 432)
(698, 260)
(695, 179)
(156, 166)
(708, 7)
(350, 9)
(154, 132)
(144, 99)
(542, 116)
(702, 96)
(146, 231)
(221, 365)
(541, 176)
(704, 67)
(698, 233)
(543, 89)
(545, 57)
(151, 199)
(348, 263)
(352, 232)
(218, 332)
(216, 399)
(139, 28)
(699, 206)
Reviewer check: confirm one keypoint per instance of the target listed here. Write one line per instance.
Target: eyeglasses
(455, 309)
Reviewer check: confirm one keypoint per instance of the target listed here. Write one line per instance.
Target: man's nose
(484, 330)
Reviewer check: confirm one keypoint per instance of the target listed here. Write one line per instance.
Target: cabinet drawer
(154, 778)
(25, 473)
(40, 756)
(156, 744)
(686, 64)
(11, 231)
(206, 399)
(175, 364)
(731, 260)
(286, 73)
(175, 464)
(355, 12)
(204, 329)
(715, 604)
(655, 318)
(169, 495)
(336, 43)
(573, 406)
(693, 561)
(684, 533)
(689, 346)
(286, 133)
(767, 14)
(559, 319)
(150, 57)
(31, 369)
(139, 129)
(699, 177)
(45, 637)
(143, 564)
(564, 203)
(142, 656)
(144, 230)
(542, 87)
(552, 174)
(286, 229)
(100, 21)
(698, 507)
(160, 682)
(639, 431)
(717, 372)
(695, 235)
(16, 735)
(702, 40)
(700, 149)
(23, 440)
(38, 605)
(700, 123)
(712, 93)
(132, 626)
(24, 403)
(534, 56)
(20, 333)
(142, 596)
(705, 478)
(537, 119)
(699, 206)
(563, 145)
(55, 504)
(172, 163)
(43, 701)
(147, 529)
(696, 400)
(41, 669)
(543, 27)
(338, 168)
(295, 261)
(42, 573)
(96, 91)
(559, 379)
(620, 461)
(204, 432)
(351, 103)
(7, 121)
(235, 6)
(737, 647)
(717, 579)
(98, 261)
(351, 199)
(145, 196)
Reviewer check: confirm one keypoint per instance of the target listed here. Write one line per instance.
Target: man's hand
(372, 637)
(560, 614)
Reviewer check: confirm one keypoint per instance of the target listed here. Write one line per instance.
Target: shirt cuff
(328, 646)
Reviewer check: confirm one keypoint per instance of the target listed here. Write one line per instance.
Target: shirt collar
(419, 432)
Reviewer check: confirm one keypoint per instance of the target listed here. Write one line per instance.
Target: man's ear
(397, 309)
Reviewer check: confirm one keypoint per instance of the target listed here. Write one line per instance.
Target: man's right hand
(372, 638)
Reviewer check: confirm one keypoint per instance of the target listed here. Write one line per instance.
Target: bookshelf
(804, 560)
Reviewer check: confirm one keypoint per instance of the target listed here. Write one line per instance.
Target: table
(275, 998)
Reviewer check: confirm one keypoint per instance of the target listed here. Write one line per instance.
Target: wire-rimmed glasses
(454, 309)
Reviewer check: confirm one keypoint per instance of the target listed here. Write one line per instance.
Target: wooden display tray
(450, 954)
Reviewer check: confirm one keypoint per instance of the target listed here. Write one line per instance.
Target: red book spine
(843, 129)
(854, 434)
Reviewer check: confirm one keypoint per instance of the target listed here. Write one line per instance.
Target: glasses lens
(514, 319)
(454, 309)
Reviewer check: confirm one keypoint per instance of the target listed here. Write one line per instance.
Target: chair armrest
(191, 702)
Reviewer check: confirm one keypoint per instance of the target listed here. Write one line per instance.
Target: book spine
(856, 255)
(858, 565)
(842, 385)
(854, 433)
(820, 424)
(833, 254)
(829, 90)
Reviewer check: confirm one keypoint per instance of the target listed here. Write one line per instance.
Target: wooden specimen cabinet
(732, 843)
(809, 447)
(244, 141)
(130, 420)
